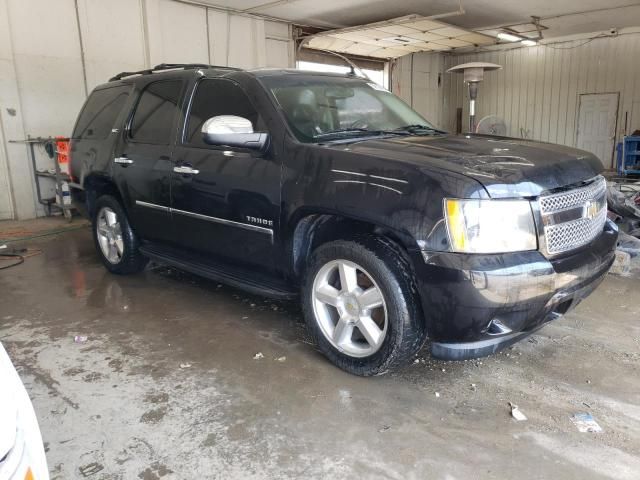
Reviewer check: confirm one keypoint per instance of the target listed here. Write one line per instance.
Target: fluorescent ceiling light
(529, 43)
(508, 37)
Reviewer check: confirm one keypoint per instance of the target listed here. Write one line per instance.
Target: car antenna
(352, 65)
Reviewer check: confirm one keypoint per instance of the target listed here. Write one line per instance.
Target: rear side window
(219, 97)
(100, 112)
(156, 113)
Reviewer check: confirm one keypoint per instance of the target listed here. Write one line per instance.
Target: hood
(506, 167)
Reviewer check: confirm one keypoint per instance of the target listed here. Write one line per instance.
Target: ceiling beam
(274, 3)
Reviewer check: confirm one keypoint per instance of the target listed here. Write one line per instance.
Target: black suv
(327, 186)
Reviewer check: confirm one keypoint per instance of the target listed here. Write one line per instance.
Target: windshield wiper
(413, 129)
(406, 130)
(347, 131)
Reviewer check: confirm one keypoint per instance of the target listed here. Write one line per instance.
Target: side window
(100, 112)
(156, 112)
(219, 97)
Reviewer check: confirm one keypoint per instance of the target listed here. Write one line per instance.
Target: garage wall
(536, 92)
(53, 53)
(419, 80)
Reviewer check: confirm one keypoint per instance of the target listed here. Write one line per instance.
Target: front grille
(573, 198)
(575, 217)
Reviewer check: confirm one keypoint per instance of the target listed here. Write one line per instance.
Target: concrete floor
(166, 385)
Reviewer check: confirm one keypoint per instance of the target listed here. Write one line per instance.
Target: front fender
(403, 198)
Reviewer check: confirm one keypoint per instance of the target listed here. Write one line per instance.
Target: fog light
(496, 327)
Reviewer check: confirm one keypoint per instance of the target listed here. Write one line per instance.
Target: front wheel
(361, 306)
(115, 241)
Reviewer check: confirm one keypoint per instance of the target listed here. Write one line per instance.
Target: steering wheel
(359, 123)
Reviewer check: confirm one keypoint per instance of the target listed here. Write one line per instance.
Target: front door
(225, 202)
(142, 160)
(597, 116)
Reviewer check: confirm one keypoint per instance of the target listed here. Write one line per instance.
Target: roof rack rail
(169, 66)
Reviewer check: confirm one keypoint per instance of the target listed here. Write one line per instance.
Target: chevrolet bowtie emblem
(591, 209)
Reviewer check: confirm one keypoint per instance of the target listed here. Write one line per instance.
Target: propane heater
(473, 75)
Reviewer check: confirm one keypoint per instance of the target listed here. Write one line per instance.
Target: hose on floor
(16, 256)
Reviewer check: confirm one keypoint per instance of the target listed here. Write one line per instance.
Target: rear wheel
(361, 306)
(115, 241)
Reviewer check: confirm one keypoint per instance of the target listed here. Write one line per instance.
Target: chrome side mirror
(233, 131)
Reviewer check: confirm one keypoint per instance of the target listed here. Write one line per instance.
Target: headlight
(490, 226)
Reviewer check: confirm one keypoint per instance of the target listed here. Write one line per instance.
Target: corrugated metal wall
(537, 91)
(53, 52)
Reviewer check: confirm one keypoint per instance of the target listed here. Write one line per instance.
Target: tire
(116, 243)
(356, 346)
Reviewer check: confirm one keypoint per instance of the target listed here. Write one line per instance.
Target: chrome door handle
(183, 169)
(124, 160)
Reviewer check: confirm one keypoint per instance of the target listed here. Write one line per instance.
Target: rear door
(229, 207)
(91, 146)
(142, 158)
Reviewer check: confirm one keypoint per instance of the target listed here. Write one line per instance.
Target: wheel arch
(96, 186)
(311, 228)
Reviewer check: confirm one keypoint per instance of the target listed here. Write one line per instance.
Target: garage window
(376, 75)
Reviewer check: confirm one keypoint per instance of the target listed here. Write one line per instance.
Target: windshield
(320, 109)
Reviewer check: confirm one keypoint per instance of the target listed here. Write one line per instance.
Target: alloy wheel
(350, 308)
(109, 234)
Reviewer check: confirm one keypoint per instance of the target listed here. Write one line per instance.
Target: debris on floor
(437, 394)
(185, 365)
(624, 199)
(91, 469)
(585, 423)
(80, 338)
(516, 413)
(384, 428)
(281, 359)
(621, 264)
(258, 356)
(628, 243)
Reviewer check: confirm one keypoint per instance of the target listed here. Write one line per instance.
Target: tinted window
(219, 97)
(156, 112)
(99, 113)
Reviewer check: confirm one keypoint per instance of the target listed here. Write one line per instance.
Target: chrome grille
(573, 198)
(573, 218)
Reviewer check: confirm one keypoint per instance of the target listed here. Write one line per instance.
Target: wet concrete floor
(166, 386)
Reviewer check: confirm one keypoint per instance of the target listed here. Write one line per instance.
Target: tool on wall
(473, 74)
(57, 149)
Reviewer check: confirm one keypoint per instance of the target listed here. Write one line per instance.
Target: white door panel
(597, 116)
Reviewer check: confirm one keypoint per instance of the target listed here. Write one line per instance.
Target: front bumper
(476, 305)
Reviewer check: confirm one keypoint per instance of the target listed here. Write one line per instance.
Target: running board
(240, 277)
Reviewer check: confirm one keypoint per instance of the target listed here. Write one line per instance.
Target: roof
(273, 72)
(215, 70)
(168, 67)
